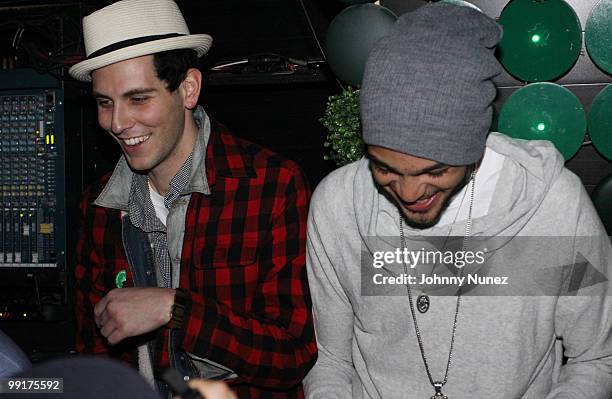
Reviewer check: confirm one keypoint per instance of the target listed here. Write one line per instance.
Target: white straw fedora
(133, 28)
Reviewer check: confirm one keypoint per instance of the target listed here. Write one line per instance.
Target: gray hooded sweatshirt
(506, 346)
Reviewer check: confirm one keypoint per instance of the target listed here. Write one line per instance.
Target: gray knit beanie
(427, 88)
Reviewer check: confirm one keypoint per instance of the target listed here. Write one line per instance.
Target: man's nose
(409, 189)
(121, 120)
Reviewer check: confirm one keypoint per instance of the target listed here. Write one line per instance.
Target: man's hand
(128, 312)
(211, 389)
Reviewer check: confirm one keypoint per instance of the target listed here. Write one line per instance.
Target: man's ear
(190, 88)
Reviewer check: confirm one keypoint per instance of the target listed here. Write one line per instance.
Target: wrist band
(177, 314)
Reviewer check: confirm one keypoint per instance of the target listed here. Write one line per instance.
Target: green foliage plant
(341, 119)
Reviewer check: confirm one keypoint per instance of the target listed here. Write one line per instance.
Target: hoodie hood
(530, 169)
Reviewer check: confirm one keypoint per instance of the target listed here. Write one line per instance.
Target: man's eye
(381, 169)
(139, 99)
(438, 173)
(103, 103)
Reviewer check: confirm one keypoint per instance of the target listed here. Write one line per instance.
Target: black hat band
(130, 42)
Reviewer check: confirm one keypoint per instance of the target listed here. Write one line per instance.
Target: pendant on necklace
(422, 303)
(438, 387)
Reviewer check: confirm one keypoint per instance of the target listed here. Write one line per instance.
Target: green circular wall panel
(600, 122)
(350, 37)
(545, 111)
(541, 41)
(598, 35)
(460, 3)
(356, 1)
(602, 199)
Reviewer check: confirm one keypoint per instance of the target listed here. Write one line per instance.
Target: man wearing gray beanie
(390, 321)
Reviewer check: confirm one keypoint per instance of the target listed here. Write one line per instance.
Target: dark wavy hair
(172, 66)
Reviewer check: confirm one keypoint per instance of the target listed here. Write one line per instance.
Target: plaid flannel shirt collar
(226, 156)
(117, 191)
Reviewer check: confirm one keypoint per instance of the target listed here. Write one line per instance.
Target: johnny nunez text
(436, 279)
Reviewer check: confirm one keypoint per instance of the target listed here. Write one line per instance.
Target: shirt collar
(116, 192)
(226, 155)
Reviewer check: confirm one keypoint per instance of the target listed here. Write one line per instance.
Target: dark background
(262, 103)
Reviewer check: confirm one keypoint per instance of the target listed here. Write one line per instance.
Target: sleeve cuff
(177, 315)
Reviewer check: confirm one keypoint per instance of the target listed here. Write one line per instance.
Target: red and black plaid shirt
(243, 262)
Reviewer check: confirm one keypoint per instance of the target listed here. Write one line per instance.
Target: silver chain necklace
(438, 385)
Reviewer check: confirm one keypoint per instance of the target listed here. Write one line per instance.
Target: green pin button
(545, 111)
(120, 278)
(541, 40)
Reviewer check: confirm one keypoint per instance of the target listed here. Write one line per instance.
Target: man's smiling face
(420, 187)
(139, 112)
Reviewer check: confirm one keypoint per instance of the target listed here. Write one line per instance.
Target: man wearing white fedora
(191, 254)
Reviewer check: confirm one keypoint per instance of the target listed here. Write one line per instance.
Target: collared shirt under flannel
(142, 215)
